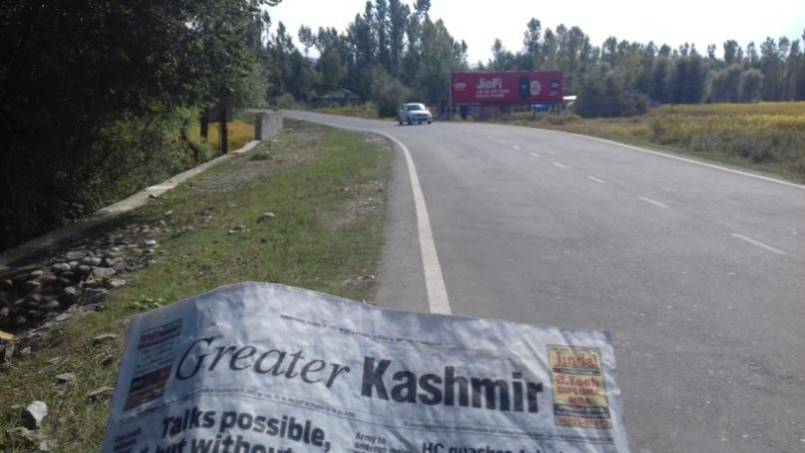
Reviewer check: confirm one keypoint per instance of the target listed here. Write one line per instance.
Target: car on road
(414, 113)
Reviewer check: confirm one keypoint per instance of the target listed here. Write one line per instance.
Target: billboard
(506, 88)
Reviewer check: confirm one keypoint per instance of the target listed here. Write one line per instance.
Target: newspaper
(266, 368)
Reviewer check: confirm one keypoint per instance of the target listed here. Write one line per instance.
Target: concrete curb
(108, 213)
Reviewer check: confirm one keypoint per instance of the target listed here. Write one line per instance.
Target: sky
(701, 22)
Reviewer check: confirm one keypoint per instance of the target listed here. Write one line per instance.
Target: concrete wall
(267, 125)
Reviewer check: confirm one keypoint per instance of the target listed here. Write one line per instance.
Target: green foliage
(366, 110)
(618, 78)
(123, 157)
(387, 92)
(751, 85)
(94, 96)
(726, 84)
(375, 40)
(603, 94)
(287, 101)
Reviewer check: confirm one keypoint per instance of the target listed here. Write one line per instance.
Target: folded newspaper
(266, 368)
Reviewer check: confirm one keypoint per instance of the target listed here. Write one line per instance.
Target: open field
(327, 192)
(767, 137)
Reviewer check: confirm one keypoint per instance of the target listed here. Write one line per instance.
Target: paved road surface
(698, 273)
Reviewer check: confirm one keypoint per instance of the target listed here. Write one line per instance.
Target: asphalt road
(698, 273)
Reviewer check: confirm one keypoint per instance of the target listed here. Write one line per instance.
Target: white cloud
(701, 22)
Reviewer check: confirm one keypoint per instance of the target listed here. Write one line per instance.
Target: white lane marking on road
(654, 202)
(598, 180)
(535, 155)
(758, 243)
(516, 147)
(560, 165)
(434, 278)
(685, 159)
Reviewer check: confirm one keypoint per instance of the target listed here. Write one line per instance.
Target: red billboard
(506, 88)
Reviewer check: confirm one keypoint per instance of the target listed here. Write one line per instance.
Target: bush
(634, 104)
(560, 120)
(366, 110)
(287, 101)
(126, 156)
(387, 92)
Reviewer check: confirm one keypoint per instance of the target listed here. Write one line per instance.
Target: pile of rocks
(47, 291)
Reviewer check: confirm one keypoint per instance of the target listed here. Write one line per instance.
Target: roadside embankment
(306, 209)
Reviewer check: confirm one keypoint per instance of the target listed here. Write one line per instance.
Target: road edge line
(438, 301)
(680, 158)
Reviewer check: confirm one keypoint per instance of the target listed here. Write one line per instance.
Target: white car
(414, 113)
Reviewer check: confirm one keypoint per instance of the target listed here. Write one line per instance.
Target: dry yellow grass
(240, 133)
(367, 110)
(768, 136)
(761, 108)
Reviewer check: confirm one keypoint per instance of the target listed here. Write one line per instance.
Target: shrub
(387, 92)
(366, 110)
(128, 155)
(287, 101)
(560, 120)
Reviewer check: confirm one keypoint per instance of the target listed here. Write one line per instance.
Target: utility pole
(224, 131)
(204, 121)
(225, 107)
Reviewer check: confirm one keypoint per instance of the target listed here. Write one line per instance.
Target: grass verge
(327, 191)
(765, 137)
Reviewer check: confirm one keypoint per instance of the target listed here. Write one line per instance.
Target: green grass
(765, 137)
(327, 190)
(367, 110)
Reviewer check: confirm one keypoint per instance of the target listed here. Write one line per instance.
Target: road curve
(698, 273)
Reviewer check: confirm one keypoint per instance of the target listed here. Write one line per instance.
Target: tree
(661, 80)
(800, 77)
(751, 85)
(791, 71)
(362, 48)
(531, 41)
(307, 38)
(697, 77)
(387, 91)
(333, 56)
(398, 19)
(381, 32)
(73, 70)
(772, 68)
(725, 86)
(502, 59)
(731, 49)
(439, 56)
(548, 51)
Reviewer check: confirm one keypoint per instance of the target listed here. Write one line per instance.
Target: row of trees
(622, 77)
(392, 50)
(93, 96)
(388, 51)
